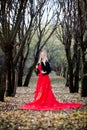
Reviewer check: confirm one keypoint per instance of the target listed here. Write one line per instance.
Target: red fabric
(44, 98)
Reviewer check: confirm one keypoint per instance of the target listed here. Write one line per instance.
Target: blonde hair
(43, 53)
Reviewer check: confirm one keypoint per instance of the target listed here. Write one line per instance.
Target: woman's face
(42, 55)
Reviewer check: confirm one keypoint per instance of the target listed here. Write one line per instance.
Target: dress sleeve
(46, 67)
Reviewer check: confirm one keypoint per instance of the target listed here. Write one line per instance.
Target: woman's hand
(43, 72)
(36, 66)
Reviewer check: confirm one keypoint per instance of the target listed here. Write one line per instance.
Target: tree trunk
(84, 80)
(20, 77)
(10, 75)
(28, 77)
(67, 79)
(2, 76)
(9, 88)
(70, 69)
(64, 71)
(71, 88)
(13, 82)
(20, 71)
(2, 86)
(76, 68)
(82, 9)
(10, 81)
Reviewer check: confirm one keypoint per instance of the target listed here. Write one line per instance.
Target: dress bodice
(39, 67)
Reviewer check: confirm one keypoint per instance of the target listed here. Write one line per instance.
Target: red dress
(44, 98)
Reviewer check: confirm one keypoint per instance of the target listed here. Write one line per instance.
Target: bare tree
(82, 16)
(12, 13)
(74, 28)
(67, 34)
(45, 29)
(11, 17)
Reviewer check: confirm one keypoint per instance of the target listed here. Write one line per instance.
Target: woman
(44, 98)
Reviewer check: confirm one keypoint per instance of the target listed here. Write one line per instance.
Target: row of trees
(22, 20)
(73, 34)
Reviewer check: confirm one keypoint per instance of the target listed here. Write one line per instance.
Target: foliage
(56, 54)
(33, 120)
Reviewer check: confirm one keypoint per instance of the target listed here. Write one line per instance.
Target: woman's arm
(37, 70)
(46, 69)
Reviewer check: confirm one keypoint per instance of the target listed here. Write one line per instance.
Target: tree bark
(10, 73)
(84, 82)
(27, 80)
(84, 78)
(20, 71)
(83, 43)
(2, 86)
(70, 69)
(2, 77)
(76, 67)
(67, 79)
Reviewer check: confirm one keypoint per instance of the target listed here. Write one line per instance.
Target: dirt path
(12, 118)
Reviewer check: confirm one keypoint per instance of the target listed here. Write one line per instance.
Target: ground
(12, 118)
